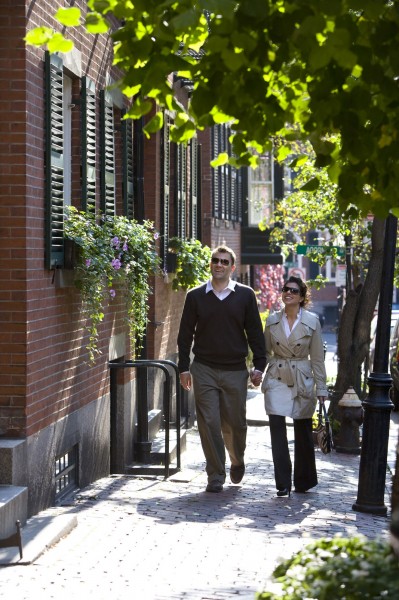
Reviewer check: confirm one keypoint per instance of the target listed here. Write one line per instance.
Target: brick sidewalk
(150, 539)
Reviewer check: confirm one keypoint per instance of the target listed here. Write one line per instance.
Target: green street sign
(306, 249)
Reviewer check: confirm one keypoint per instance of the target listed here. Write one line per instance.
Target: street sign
(297, 272)
(340, 275)
(306, 249)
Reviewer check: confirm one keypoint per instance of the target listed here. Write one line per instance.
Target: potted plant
(116, 255)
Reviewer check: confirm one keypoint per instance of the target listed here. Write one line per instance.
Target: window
(66, 473)
(260, 192)
(195, 186)
(227, 181)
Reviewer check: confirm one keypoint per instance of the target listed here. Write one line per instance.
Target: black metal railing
(163, 365)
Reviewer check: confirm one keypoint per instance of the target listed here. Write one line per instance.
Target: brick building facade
(61, 422)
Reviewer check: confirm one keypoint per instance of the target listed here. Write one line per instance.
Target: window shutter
(128, 170)
(224, 173)
(181, 164)
(54, 162)
(165, 190)
(239, 195)
(107, 199)
(194, 186)
(216, 172)
(88, 94)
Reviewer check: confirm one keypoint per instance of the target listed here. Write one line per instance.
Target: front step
(13, 507)
(157, 455)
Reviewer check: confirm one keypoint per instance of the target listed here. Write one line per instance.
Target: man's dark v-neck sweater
(221, 330)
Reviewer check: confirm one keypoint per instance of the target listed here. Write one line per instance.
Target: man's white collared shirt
(224, 293)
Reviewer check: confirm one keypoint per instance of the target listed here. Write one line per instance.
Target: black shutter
(223, 173)
(88, 93)
(216, 173)
(239, 194)
(107, 199)
(54, 162)
(194, 187)
(128, 169)
(165, 186)
(181, 166)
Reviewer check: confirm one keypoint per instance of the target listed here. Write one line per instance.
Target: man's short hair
(226, 250)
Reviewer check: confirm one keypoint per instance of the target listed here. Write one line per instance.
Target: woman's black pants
(305, 475)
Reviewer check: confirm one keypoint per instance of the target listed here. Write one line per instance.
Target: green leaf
(39, 36)
(311, 185)
(183, 133)
(68, 16)
(139, 108)
(155, 124)
(95, 23)
(220, 160)
(59, 43)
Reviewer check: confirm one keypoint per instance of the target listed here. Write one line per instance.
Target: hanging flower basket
(113, 255)
(191, 264)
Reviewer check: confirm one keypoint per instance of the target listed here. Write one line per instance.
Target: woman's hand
(256, 377)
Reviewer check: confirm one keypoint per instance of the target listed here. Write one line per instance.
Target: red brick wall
(14, 253)
(42, 350)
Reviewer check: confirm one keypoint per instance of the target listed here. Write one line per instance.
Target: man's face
(221, 265)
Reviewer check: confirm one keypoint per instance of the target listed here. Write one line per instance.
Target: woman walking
(295, 375)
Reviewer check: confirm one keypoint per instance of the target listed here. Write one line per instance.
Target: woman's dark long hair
(304, 290)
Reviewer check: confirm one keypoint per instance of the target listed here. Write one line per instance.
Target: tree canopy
(276, 70)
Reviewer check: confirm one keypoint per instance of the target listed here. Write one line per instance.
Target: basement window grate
(66, 473)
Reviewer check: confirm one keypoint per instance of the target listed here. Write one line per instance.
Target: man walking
(220, 320)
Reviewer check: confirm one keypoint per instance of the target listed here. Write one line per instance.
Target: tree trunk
(354, 327)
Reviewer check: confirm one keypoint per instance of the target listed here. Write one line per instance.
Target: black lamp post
(377, 406)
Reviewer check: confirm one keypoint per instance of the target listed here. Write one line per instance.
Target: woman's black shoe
(284, 492)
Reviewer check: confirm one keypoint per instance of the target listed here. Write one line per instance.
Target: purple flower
(116, 263)
(112, 293)
(156, 235)
(125, 247)
(88, 262)
(115, 242)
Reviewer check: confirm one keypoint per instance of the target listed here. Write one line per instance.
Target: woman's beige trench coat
(295, 373)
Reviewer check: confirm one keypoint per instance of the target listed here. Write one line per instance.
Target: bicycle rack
(162, 364)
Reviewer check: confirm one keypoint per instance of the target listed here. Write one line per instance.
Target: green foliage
(302, 211)
(348, 568)
(192, 263)
(116, 256)
(287, 70)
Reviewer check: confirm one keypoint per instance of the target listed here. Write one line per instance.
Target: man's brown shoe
(237, 473)
(214, 486)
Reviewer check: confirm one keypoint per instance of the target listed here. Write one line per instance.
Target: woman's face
(291, 295)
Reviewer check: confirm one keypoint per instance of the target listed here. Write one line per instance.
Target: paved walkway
(151, 539)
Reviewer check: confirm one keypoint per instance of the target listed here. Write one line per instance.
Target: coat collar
(307, 318)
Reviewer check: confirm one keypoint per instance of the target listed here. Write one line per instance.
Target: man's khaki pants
(220, 402)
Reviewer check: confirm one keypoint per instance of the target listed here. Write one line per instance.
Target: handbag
(323, 430)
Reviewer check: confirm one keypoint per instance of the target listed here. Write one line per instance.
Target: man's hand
(256, 377)
(185, 380)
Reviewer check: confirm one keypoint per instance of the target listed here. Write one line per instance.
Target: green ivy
(192, 263)
(348, 568)
(116, 256)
